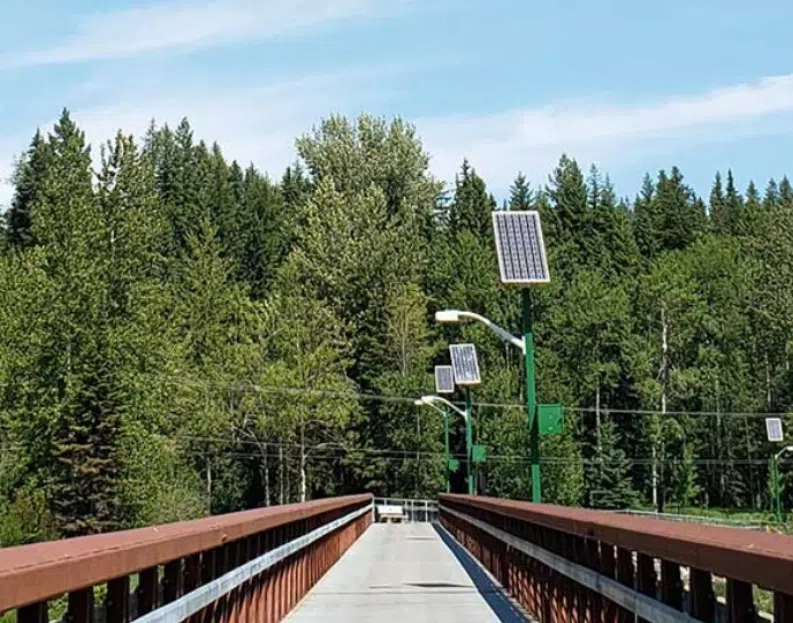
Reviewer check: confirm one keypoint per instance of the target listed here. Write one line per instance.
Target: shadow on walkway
(492, 593)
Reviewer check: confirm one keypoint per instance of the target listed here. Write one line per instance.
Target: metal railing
(748, 524)
(415, 511)
(571, 564)
(251, 566)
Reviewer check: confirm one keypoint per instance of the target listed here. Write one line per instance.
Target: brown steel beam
(31, 574)
(759, 558)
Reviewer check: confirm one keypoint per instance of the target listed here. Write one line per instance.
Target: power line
(410, 400)
(411, 456)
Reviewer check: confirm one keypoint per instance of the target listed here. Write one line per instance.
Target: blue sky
(632, 86)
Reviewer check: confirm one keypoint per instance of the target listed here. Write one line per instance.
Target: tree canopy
(183, 335)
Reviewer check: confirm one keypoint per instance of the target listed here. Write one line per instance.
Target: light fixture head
(447, 316)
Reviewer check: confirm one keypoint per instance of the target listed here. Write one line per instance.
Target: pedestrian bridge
(476, 559)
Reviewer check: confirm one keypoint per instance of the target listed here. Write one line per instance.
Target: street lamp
(454, 316)
(775, 482)
(433, 401)
(522, 262)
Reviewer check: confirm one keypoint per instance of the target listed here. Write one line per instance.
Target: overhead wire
(497, 405)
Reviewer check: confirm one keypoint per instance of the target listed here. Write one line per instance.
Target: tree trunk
(598, 444)
(657, 501)
(418, 458)
(597, 422)
(288, 481)
(303, 484)
(719, 446)
(767, 382)
(266, 475)
(280, 474)
(209, 485)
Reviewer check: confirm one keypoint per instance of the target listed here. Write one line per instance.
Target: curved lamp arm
(782, 451)
(454, 316)
(431, 400)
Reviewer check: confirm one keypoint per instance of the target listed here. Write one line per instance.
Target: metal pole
(469, 441)
(532, 414)
(446, 448)
(775, 482)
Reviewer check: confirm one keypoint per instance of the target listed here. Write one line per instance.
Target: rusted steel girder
(761, 558)
(192, 553)
(666, 567)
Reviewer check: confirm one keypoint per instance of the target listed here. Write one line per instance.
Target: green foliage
(609, 477)
(182, 336)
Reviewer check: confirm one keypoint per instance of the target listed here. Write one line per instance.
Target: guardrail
(748, 524)
(415, 511)
(571, 564)
(252, 566)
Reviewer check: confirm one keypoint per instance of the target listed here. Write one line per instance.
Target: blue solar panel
(465, 364)
(444, 380)
(520, 247)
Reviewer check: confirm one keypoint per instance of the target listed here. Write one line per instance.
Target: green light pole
(446, 449)
(532, 412)
(469, 442)
(776, 484)
(526, 346)
(430, 401)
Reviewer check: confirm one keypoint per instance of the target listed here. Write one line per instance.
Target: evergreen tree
(734, 207)
(28, 185)
(646, 219)
(521, 196)
(472, 206)
(610, 472)
(719, 215)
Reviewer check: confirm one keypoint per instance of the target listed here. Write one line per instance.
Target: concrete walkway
(406, 573)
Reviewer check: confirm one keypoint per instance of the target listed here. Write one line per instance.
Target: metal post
(775, 484)
(532, 413)
(469, 441)
(446, 448)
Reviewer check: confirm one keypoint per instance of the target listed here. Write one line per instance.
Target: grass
(763, 600)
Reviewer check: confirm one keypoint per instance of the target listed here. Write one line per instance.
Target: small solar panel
(520, 248)
(464, 364)
(773, 426)
(444, 380)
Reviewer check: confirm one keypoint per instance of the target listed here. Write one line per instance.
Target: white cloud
(256, 124)
(532, 139)
(189, 25)
(259, 124)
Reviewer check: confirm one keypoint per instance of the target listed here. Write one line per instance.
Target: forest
(183, 335)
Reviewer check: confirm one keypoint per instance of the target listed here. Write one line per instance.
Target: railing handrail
(753, 524)
(758, 558)
(40, 571)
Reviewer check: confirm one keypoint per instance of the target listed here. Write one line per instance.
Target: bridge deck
(406, 573)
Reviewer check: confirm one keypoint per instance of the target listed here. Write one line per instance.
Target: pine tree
(521, 196)
(646, 221)
(719, 217)
(609, 473)
(569, 227)
(681, 217)
(28, 186)
(734, 207)
(785, 193)
(472, 205)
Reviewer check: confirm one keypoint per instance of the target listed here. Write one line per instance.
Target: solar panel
(520, 248)
(464, 364)
(773, 427)
(444, 380)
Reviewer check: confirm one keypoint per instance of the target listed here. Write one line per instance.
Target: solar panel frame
(444, 380)
(520, 247)
(465, 364)
(773, 429)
